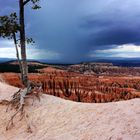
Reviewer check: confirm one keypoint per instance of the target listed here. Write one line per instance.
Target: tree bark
(23, 44)
(17, 54)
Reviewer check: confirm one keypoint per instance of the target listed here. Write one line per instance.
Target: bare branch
(25, 2)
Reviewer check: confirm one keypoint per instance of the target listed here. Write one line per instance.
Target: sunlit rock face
(81, 87)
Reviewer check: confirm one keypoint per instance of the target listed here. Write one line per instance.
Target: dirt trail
(56, 119)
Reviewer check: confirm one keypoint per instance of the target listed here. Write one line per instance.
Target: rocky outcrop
(82, 88)
(103, 69)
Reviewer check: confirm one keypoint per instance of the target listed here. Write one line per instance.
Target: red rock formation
(82, 88)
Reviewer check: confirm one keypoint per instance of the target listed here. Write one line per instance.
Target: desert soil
(54, 118)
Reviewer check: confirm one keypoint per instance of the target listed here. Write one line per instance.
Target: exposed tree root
(18, 103)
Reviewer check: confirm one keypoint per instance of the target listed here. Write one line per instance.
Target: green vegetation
(6, 67)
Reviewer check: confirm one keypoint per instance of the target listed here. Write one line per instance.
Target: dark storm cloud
(58, 31)
(113, 25)
(115, 36)
(73, 28)
(109, 28)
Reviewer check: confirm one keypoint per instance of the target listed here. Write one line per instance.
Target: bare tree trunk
(17, 54)
(23, 45)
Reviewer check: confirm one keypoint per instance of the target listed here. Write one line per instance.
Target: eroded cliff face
(82, 88)
(104, 69)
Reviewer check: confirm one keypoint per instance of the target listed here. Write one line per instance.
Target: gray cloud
(74, 28)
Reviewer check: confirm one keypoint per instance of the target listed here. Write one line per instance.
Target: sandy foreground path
(56, 119)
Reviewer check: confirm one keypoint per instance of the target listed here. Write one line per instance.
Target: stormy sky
(79, 30)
